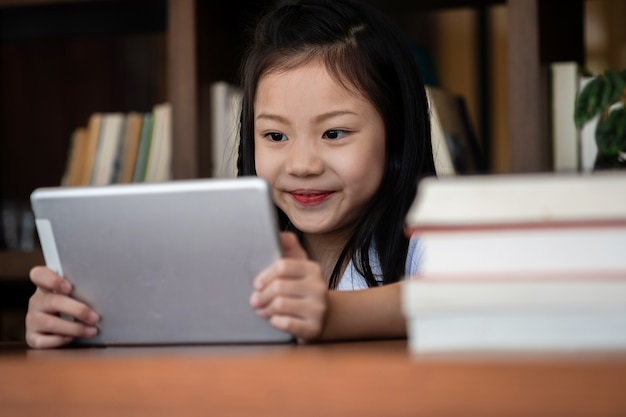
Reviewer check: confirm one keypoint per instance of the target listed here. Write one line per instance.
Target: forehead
(309, 82)
(306, 64)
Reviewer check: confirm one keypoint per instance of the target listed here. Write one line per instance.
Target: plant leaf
(618, 84)
(611, 133)
(598, 95)
(587, 104)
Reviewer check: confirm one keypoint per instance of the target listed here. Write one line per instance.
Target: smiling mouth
(310, 197)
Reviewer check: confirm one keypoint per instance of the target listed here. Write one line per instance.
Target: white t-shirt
(352, 280)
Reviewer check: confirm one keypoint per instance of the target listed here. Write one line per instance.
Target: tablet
(164, 263)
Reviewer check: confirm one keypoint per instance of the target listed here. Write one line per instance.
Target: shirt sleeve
(352, 280)
(413, 257)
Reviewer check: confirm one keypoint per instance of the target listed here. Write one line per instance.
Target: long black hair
(365, 53)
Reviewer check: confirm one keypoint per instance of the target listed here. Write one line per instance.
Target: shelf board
(12, 3)
(15, 265)
(67, 19)
(394, 4)
(425, 5)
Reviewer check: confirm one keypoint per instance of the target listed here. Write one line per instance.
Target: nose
(304, 158)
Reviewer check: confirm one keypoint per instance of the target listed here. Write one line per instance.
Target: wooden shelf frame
(540, 32)
(15, 265)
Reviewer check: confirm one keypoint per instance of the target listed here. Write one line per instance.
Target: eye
(334, 134)
(276, 137)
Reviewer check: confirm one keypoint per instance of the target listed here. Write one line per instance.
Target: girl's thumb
(291, 246)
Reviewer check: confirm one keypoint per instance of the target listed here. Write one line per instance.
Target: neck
(325, 249)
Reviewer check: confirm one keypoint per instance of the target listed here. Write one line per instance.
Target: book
(521, 223)
(75, 158)
(441, 153)
(129, 149)
(518, 262)
(573, 149)
(94, 125)
(477, 201)
(564, 87)
(141, 164)
(495, 316)
(159, 157)
(461, 141)
(225, 110)
(108, 142)
(519, 252)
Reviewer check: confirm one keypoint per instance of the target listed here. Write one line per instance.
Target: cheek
(268, 164)
(263, 163)
(367, 167)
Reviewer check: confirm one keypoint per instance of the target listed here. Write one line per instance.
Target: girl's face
(320, 146)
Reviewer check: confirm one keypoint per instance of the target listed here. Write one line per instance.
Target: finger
(292, 250)
(40, 323)
(313, 309)
(47, 341)
(54, 304)
(48, 280)
(264, 278)
(291, 246)
(301, 329)
(260, 299)
(286, 269)
(282, 288)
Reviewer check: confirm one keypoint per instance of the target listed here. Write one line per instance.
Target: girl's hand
(292, 293)
(44, 327)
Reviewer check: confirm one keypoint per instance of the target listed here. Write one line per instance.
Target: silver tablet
(164, 263)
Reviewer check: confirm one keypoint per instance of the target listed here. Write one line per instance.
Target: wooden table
(342, 379)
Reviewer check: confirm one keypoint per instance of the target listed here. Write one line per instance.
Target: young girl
(335, 118)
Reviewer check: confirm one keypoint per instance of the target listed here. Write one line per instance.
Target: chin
(320, 228)
(310, 227)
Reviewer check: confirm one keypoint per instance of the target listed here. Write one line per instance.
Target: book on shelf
(518, 262)
(159, 158)
(111, 131)
(573, 149)
(94, 125)
(564, 78)
(225, 110)
(145, 139)
(449, 116)
(75, 158)
(127, 151)
(121, 148)
(441, 152)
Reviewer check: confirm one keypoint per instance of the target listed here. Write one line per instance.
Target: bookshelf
(538, 32)
(61, 60)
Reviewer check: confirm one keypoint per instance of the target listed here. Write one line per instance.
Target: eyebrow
(318, 118)
(331, 114)
(268, 116)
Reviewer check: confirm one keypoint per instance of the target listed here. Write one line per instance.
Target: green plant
(605, 96)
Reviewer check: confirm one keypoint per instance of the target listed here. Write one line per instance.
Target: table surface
(371, 378)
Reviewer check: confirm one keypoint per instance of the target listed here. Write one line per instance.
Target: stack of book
(519, 262)
(121, 148)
